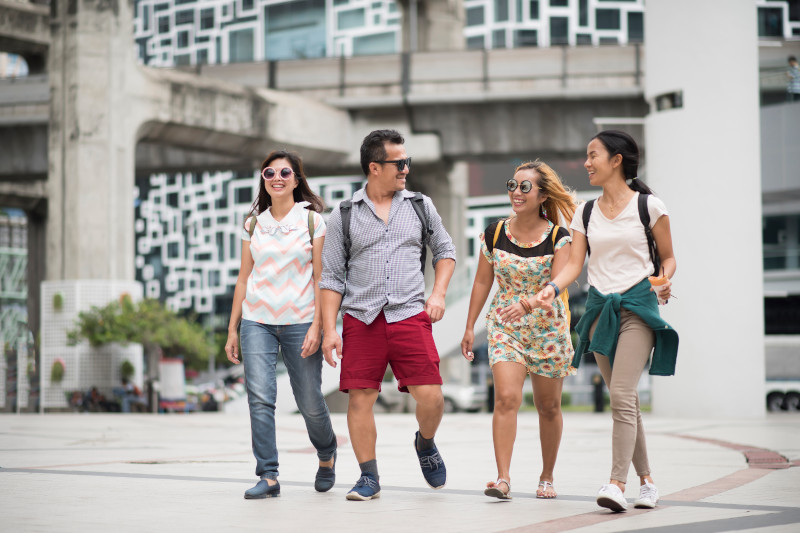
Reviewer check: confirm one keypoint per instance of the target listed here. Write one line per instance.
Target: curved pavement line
(760, 463)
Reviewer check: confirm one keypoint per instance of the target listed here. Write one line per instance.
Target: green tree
(159, 330)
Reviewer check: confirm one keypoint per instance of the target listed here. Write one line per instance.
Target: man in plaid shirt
(380, 289)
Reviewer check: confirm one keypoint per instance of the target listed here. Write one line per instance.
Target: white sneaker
(648, 497)
(611, 497)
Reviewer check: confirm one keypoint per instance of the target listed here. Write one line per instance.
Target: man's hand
(435, 307)
(331, 342)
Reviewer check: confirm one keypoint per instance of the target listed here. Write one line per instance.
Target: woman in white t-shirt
(621, 325)
(274, 300)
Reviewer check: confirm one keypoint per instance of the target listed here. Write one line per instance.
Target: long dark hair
(302, 193)
(619, 142)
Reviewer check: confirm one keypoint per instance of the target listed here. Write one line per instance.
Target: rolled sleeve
(440, 242)
(334, 275)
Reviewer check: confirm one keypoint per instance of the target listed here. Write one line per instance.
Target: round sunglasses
(525, 186)
(270, 173)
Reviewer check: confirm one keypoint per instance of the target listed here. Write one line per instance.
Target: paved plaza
(148, 473)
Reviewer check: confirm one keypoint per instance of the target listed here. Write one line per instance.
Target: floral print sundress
(540, 340)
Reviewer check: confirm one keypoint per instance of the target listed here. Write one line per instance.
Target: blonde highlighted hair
(560, 199)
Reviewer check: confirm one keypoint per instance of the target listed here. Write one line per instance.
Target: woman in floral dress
(523, 254)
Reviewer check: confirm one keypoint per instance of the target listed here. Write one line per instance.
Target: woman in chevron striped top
(274, 300)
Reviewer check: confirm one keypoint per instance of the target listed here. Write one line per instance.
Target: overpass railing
(464, 74)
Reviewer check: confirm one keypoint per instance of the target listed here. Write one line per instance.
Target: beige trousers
(633, 352)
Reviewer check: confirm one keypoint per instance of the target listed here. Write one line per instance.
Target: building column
(90, 232)
(703, 160)
(433, 25)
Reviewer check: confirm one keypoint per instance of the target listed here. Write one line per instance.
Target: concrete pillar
(91, 145)
(433, 25)
(703, 159)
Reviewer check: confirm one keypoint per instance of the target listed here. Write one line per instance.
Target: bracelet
(525, 305)
(555, 287)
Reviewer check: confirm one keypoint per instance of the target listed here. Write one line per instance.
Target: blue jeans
(260, 344)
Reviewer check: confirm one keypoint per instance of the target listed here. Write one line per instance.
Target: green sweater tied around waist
(638, 299)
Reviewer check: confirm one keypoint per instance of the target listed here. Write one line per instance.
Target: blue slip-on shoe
(263, 490)
(366, 488)
(326, 477)
(432, 466)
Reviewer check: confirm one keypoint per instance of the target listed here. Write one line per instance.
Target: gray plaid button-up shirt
(384, 267)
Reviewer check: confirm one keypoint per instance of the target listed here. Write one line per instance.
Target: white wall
(704, 161)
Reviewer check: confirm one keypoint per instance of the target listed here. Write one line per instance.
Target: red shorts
(406, 345)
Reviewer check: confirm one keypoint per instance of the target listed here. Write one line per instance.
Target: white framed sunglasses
(270, 173)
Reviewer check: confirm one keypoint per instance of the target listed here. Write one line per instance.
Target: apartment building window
(559, 30)
(534, 9)
(781, 241)
(635, 27)
(475, 16)
(770, 22)
(240, 46)
(500, 10)
(607, 19)
(206, 19)
(526, 38)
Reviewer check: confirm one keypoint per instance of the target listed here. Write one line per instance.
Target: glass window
(145, 18)
(475, 16)
(534, 9)
(380, 43)
(607, 19)
(559, 30)
(352, 18)
(635, 27)
(583, 12)
(770, 22)
(240, 45)
(184, 17)
(295, 30)
(206, 19)
(163, 24)
(475, 43)
(559, 3)
(499, 39)
(500, 10)
(526, 38)
(247, 5)
(183, 39)
(583, 38)
(182, 60)
(608, 40)
(781, 241)
(202, 57)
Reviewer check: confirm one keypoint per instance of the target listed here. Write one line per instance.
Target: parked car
(457, 397)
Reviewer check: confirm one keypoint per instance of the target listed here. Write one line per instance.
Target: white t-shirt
(620, 258)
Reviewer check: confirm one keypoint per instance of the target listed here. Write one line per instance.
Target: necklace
(614, 205)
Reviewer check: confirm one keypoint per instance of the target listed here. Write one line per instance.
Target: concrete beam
(25, 30)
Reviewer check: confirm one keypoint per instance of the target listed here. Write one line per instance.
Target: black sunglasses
(401, 163)
(525, 186)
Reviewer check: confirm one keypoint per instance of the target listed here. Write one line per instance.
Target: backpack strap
(491, 244)
(345, 209)
(565, 293)
(311, 225)
(587, 213)
(644, 216)
(418, 203)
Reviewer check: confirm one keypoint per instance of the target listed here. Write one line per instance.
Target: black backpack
(644, 216)
(417, 202)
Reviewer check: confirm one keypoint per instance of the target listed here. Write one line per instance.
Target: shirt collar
(361, 194)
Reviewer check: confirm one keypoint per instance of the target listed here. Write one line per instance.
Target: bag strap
(587, 213)
(252, 227)
(418, 203)
(311, 226)
(565, 293)
(644, 216)
(345, 208)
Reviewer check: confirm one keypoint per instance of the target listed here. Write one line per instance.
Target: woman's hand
(232, 347)
(511, 313)
(311, 342)
(544, 298)
(466, 344)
